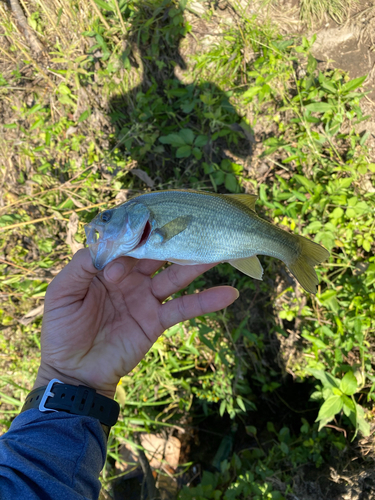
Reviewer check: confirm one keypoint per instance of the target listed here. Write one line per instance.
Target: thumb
(75, 279)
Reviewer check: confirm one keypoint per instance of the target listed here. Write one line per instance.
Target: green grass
(248, 111)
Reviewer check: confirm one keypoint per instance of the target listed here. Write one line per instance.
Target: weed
(109, 100)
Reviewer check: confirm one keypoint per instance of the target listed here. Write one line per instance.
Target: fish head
(116, 232)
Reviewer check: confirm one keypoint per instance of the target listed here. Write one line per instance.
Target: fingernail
(238, 293)
(115, 272)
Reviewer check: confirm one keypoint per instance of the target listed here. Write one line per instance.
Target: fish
(190, 227)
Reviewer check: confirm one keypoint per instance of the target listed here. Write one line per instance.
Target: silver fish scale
(222, 229)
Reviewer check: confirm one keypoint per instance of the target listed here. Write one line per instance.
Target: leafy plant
(186, 142)
(339, 395)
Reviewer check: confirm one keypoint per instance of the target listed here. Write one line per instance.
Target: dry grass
(317, 10)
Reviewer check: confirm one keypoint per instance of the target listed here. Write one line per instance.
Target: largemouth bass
(194, 227)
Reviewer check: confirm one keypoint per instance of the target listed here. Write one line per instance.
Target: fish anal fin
(250, 266)
(248, 200)
(174, 227)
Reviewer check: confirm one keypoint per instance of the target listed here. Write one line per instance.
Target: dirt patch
(329, 484)
(342, 47)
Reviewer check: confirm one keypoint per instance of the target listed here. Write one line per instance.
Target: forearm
(52, 455)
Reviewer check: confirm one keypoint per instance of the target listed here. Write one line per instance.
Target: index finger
(189, 306)
(176, 277)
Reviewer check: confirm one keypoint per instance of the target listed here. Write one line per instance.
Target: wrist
(47, 373)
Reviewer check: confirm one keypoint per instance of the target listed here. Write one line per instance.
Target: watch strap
(78, 400)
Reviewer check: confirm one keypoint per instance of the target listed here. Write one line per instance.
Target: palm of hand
(96, 329)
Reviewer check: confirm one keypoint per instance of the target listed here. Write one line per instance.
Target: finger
(197, 304)
(75, 278)
(149, 267)
(118, 269)
(176, 277)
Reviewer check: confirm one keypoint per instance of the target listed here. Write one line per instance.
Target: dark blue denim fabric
(51, 456)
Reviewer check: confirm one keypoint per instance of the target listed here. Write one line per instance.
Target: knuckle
(200, 302)
(173, 276)
(182, 308)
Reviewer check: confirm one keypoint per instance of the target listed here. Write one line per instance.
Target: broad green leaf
(366, 245)
(188, 107)
(311, 64)
(328, 86)
(183, 151)
(350, 213)
(309, 185)
(241, 404)
(249, 94)
(362, 425)
(326, 378)
(84, 115)
(337, 213)
(231, 183)
(173, 139)
(284, 448)
(223, 405)
(63, 89)
(329, 299)
(201, 141)
(319, 107)
(317, 342)
(346, 182)
(187, 135)
(330, 408)
(8, 219)
(348, 405)
(282, 44)
(197, 153)
(313, 227)
(208, 168)
(364, 138)
(104, 5)
(218, 177)
(353, 84)
(357, 418)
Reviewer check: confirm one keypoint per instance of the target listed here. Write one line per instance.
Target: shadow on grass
(181, 131)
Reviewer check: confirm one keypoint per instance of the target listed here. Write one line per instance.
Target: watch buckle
(47, 394)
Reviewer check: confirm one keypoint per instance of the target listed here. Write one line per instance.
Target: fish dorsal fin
(250, 266)
(174, 227)
(245, 199)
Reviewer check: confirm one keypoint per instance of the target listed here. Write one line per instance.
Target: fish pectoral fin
(250, 266)
(174, 227)
(246, 199)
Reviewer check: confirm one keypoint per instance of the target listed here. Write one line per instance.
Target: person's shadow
(181, 134)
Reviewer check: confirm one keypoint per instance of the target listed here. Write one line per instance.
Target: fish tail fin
(302, 268)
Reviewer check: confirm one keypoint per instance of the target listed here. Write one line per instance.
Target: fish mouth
(103, 249)
(93, 234)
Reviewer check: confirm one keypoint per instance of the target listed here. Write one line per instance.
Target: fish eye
(106, 216)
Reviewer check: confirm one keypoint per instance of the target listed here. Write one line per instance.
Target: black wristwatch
(78, 400)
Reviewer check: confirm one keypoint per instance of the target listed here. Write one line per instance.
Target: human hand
(98, 325)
